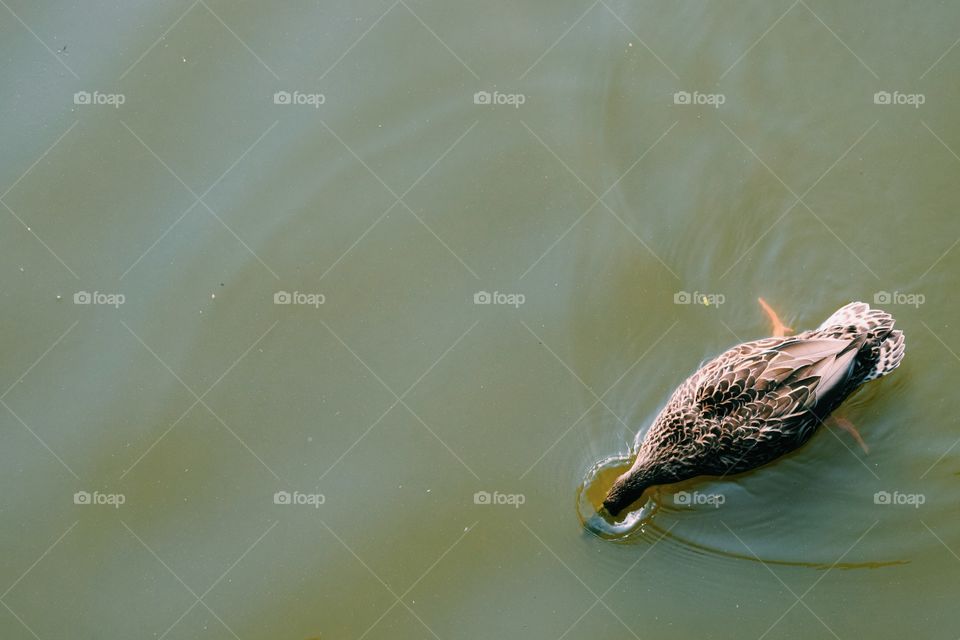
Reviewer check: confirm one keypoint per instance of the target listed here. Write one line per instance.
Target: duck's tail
(884, 343)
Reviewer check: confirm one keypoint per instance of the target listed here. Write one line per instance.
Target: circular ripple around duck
(590, 495)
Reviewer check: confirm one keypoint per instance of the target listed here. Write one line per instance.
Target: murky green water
(202, 159)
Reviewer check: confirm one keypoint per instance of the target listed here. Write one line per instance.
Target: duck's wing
(769, 398)
(790, 375)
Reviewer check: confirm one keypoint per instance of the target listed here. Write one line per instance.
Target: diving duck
(760, 400)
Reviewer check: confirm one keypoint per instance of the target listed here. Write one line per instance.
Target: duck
(760, 400)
